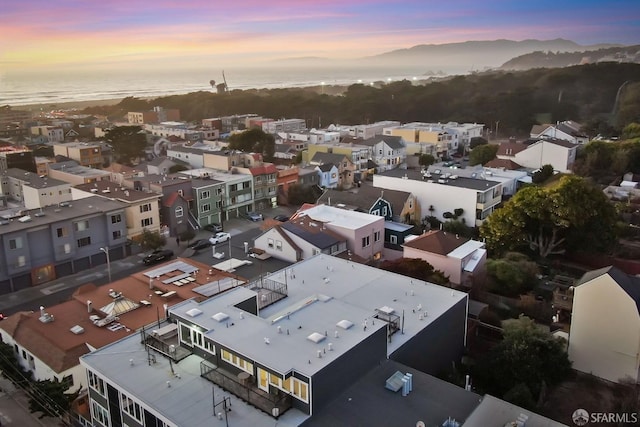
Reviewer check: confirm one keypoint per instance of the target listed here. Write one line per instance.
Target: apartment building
(17, 157)
(55, 241)
(371, 130)
(284, 125)
(287, 357)
(85, 153)
(157, 115)
(75, 174)
(33, 191)
(50, 134)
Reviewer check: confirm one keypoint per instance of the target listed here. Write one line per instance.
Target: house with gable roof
(459, 258)
(567, 130)
(388, 151)
(535, 153)
(328, 175)
(346, 168)
(605, 325)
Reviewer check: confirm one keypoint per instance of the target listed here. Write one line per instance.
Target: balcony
(482, 204)
(244, 387)
(166, 345)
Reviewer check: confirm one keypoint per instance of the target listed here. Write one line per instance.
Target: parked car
(200, 244)
(157, 256)
(219, 238)
(281, 218)
(254, 216)
(213, 227)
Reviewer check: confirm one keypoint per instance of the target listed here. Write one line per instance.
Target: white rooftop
(340, 217)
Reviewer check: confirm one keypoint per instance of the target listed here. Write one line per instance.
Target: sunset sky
(64, 34)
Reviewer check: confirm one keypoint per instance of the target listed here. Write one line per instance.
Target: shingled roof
(437, 242)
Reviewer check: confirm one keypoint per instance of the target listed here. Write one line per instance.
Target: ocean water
(43, 88)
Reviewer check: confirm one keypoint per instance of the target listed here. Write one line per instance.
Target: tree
(475, 141)
(187, 235)
(10, 367)
(571, 214)
(254, 140)
(482, 154)
(416, 268)
(151, 240)
(49, 398)
(128, 142)
(457, 227)
(426, 160)
(527, 356)
(542, 174)
(512, 275)
(299, 194)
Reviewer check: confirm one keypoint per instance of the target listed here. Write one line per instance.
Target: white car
(219, 238)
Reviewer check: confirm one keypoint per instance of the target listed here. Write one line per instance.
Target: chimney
(89, 308)
(42, 312)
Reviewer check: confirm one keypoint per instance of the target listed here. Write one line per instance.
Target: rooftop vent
(25, 218)
(220, 316)
(77, 329)
(316, 337)
(386, 310)
(194, 312)
(344, 324)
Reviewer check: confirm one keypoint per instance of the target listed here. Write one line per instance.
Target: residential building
(50, 134)
(120, 172)
(534, 154)
(393, 205)
(605, 325)
(32, 191)
(567, 130)
(160, 166)
(388, 151)
(308, 177)
(285, 177)
(288, 357)
(181, 130)
(445, 192)
(300, 239)
(49, 343)
(448, 137)
(346, 168)
(364, 232)
(17, 157)
(359, 154)
(460, 259)
(371, 130)
(59, 240)
(511, 180)
(142, 208)
(157, 115)
(42, 165)
(75, 174)
(496, 412)
(193, 156)
(209, 195)
(86, 154)
(238, 190)
(284, 125)
(328, 175)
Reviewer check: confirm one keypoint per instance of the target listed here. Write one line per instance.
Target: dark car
(157, 256)
(200, 244)
(281, 218)
(213, 227)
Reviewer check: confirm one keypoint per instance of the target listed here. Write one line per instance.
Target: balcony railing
(273, 404)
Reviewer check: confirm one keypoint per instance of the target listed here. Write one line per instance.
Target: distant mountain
(473, 55)
(449, 58)
(549, 59)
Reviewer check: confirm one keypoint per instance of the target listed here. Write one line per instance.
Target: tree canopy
(528, 358)
(571, 214)
(128, 142)
(512, 275)
(416, 268)
(482, 154)
(254, 141)
(150, 240)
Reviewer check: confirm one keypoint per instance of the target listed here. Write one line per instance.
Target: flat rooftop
(459, 181)
(114, 191)
(33, 179)
(339, 217)
(52, 214)
(216, 174)
(494, 412)
(369, 403)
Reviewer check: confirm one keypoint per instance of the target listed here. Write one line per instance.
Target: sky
(103, 34)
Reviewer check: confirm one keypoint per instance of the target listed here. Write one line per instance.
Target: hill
(550, 59)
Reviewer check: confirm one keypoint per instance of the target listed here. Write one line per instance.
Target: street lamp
(106, 252)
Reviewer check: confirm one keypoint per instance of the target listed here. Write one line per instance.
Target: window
(85, 241)
(21, 261)
(145, 208)
(181, 193)
(246, 184)
(365, 242)
(205, 208)
(116, 218)
(219, 204)
(100, 415)
(270, 243)
(179, 212)
(117, 234)
(219, 191)
(62, 232)
(384, 211)
(376, 236)
(146, 222)
(237, 361)
(279, 245)
(131, 407)
(299, 389)
(15, 243)
(393, 239)
(96, 383)
(234, 187)
(205, 194)
(81, 225)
